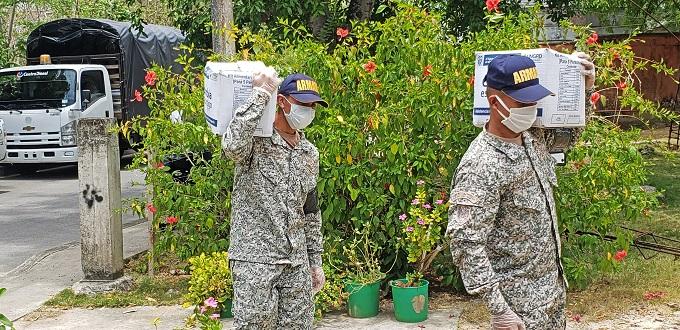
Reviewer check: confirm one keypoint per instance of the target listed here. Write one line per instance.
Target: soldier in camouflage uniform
(276, 243)
(502, 221)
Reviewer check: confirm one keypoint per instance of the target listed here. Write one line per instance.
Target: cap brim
(309, 98)
(528, 94)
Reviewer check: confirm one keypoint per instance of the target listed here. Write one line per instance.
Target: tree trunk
(10, 29)
(317, 24)
(360, 9)
(223, 22)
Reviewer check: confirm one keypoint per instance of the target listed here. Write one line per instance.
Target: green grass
(665, 176)
(160, 290)
(148, 291)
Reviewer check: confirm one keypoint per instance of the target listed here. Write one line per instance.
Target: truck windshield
(37, 89)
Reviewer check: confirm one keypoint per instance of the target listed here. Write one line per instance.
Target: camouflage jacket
(502, 222)
(275, 216)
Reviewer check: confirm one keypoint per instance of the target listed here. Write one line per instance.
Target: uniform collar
(513, 151)
(303, 145)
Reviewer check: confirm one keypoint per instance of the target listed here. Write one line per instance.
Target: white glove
(588, 68)
(318, 279)
(507, 321)
(266, 80)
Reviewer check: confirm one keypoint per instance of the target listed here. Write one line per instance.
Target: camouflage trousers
(541, 305)
(268, 296)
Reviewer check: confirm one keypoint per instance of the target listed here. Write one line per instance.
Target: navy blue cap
(302, 88)
(517, 77)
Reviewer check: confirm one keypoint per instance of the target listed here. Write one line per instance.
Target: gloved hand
(507, 321)
(588, 68)
(318, 279)
(266, 80)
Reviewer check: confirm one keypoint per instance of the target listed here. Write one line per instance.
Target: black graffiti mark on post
(91, 196)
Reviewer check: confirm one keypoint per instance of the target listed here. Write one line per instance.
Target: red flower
(492, 5)
(595, 97)
(151, 208)
(592, 39)
(471, 81)
(621, 85)
(427, 71)
(616, 55)
(138, 96)
(576, 317)
(342, 32)
(651, 295)
(620, 255)
(370, 67)
(160, 165)
(150, 78)
(171, 220)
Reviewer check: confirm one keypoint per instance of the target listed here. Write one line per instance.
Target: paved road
(40, 212)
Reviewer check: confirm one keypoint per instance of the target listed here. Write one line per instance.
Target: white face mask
(299, 116)
(520, 119)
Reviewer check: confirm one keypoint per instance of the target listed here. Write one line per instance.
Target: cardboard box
(558, 72)
(227, 87)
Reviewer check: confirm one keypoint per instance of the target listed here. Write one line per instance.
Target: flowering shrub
(423, 229)
(400, 95)
(210, 284)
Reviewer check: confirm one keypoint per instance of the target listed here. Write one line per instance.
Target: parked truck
(76, 68)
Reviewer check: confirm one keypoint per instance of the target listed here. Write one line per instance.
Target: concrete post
(101, 230)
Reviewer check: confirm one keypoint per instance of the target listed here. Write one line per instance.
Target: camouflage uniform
(503, 229)
(275, 224)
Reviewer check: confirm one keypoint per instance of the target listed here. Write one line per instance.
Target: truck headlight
(68, 140)
(68, 134)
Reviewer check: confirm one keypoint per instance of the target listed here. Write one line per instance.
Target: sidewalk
(171, 317)
(44, 275)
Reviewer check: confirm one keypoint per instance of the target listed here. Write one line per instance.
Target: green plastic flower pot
(410, 304)
(364, 299)
(226, 313)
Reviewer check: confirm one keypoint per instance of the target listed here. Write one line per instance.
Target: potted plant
(423, 239)
(363, 276)
(210, 286)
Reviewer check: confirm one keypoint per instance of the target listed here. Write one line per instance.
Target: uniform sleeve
(563, 138)
(474, 204)
(313, 228)
(237, 142)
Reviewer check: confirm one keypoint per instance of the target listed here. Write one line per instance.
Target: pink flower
(420, 182)
(211, 302)
(576, 317)
(402, 217)
(439, 202)
(215, 316)
(409, 229)
(421, 221)
(427, 206)
(151, 208)
(592, 39)
(203, 309)
(415, 202)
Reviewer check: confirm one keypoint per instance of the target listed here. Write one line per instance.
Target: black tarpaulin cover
(79, 37)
